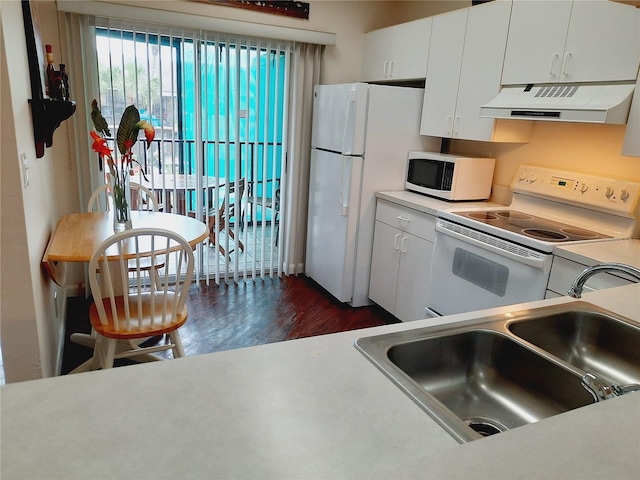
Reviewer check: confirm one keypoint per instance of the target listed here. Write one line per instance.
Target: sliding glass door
(218, 104)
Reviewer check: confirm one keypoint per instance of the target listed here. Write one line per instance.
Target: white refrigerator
(360, 140)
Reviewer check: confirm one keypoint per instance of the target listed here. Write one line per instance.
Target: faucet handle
(597, 388)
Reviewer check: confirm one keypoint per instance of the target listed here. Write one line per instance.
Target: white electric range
(486, 258)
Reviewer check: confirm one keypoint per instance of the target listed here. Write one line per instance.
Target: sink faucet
(576, 288)
(602, 391)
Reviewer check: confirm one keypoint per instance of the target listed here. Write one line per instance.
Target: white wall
(585, 148)
(31, 335)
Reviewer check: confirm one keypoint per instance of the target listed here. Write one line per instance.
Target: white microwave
(450, 177)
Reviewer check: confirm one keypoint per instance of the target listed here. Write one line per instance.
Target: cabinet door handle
(403, 219)
(456, 124)
(391, 68)
(565, 64)
(403, 245)
(554, 58)
(395, 241)
(447, 125)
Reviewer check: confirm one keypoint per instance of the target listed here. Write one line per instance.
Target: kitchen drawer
(564, 272)
(407, 219)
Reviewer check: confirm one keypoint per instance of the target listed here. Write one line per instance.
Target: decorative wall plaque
(290, 9)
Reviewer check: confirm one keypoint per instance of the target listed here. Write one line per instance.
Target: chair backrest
(142, 198)
(237, 189)
(99, 201)
(118, 282)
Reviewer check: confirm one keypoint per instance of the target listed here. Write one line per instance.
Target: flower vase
(121, 201)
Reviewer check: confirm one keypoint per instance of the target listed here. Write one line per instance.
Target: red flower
(149, 131)
(100, 145)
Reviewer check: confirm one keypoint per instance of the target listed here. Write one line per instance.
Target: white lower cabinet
(402, 249)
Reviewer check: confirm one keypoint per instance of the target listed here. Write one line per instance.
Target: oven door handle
(538, 260)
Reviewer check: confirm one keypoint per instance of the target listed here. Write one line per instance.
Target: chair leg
(178, 349)
(110, 353)
(233, 237)
(103, 353)
(98, 352)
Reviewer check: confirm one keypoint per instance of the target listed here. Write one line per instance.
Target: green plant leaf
(127, 129)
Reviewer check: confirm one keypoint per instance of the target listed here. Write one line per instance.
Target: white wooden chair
(124, 311)
(142, 198)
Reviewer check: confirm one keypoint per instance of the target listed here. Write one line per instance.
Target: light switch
(25, 169)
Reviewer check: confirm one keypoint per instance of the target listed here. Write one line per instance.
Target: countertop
(308, 408)
(431, 205)
(592, 253)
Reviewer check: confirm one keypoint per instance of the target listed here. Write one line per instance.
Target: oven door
(472, 270)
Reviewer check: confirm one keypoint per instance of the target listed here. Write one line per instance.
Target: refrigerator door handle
(345, 186)
(349, 122)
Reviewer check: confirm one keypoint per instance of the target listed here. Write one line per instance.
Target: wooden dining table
(77, 236)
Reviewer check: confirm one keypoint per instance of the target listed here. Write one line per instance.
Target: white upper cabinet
(571, 41)
(443, 73)
(464, 71)
(397, 53)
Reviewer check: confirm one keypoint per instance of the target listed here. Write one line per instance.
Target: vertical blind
(219, 107)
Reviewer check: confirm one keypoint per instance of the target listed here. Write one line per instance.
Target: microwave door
(426, 173)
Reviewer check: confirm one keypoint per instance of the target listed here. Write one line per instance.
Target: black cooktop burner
(547, 235)
(514, 215)
(532, 226)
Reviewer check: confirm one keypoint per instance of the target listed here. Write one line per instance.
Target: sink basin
(488, 380)
(591, 340)
(504, 371)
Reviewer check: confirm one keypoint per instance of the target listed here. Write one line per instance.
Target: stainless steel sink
(508, 370)
(592, 341)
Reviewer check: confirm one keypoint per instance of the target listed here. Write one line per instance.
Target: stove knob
(624, 194)
(523, 176)
(609, 192)
(533, 177)
(584, 187)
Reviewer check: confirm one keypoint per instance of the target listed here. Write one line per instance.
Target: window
(218, 104)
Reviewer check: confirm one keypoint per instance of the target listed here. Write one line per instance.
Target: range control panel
(577, 188)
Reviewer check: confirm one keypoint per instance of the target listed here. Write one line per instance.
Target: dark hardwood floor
(252, 313)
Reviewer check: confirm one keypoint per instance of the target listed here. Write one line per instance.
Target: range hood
(589, 103)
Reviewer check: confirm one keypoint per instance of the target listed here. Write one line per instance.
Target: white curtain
(302, 73)
(305, 73)
(77, 43)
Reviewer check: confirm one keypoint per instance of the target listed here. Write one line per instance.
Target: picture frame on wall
(288, 8)
(35, 52)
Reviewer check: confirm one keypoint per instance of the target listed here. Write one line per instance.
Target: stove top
(552, 207)
(532, 226)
